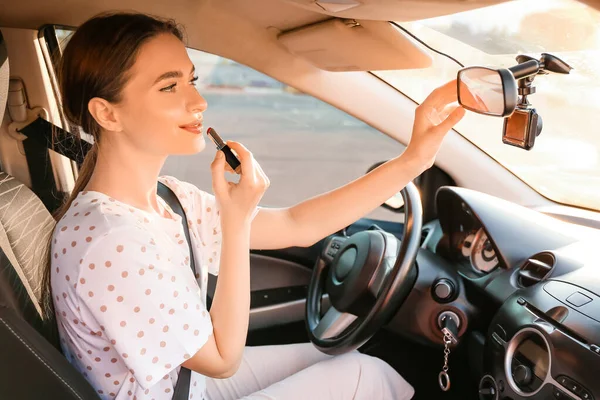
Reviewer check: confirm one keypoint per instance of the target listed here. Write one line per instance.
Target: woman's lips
(194, 128)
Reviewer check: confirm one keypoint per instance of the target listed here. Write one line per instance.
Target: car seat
(32, 364)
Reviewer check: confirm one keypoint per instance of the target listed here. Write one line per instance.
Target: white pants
(300, 371)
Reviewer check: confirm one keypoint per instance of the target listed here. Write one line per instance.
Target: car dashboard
(540, 277)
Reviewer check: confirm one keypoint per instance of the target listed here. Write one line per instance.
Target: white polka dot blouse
(129, 308)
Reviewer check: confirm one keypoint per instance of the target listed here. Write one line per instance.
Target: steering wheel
(367, 276)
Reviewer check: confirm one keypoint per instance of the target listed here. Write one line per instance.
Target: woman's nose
(196, 102)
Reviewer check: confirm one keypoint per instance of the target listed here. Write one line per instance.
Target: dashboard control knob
(522, 375)
(488, 390)
(443, 290)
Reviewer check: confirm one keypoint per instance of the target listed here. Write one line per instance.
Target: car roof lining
(281, 15)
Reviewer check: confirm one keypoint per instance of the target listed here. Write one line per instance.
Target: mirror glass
(480, 90)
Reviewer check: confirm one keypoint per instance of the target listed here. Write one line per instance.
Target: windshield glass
(564, 164)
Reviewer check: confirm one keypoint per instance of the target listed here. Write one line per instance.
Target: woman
(129, 309)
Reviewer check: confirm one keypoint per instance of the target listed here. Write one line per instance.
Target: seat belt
(182, 387)
(64, 142)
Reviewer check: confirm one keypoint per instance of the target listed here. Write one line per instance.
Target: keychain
(449, 330)
(443, 377)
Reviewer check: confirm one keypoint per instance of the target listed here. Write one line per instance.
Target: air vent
(536, 269)
(424, 234)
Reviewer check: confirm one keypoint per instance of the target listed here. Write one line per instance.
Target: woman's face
(160, 112)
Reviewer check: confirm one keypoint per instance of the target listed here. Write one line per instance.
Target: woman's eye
(168, 88)
(171, 88)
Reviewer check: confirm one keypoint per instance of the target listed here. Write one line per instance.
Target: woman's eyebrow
(172, 74)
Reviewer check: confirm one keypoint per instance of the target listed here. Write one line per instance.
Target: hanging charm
(443, 377)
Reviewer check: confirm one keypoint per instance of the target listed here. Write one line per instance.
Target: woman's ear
(105, 114)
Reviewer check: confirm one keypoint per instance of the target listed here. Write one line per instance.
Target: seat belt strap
(182, 387)
(65, 143)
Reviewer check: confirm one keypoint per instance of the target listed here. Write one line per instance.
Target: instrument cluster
(477, 249)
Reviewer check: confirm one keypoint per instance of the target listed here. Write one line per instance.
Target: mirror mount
(504, 93)
(523, 126)
(527, 67)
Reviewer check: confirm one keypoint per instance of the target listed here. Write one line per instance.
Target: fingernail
(219, 154)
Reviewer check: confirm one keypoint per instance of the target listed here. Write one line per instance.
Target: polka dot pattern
(118, 277)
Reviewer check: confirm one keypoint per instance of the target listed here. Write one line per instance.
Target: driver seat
(33, 366)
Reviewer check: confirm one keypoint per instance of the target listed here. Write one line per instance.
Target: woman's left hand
(433, 119)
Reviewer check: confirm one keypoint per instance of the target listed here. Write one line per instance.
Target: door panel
(268, 272)
(278, 290)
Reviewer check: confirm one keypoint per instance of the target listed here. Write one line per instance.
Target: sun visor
(356, 45)
(392, 10)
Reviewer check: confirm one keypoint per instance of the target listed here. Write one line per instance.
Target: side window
(305, 146)
(62, 36)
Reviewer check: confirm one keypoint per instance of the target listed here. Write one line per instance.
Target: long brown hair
(96, 63)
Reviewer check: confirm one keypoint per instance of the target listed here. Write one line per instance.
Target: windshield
(564, 165)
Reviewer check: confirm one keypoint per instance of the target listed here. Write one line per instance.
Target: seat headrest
(4, 76)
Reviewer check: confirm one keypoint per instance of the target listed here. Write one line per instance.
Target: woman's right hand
(238, 201)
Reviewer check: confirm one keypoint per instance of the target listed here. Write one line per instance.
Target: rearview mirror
(487, 91)
(494, 92)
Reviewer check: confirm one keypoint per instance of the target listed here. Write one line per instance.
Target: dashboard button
(523, 375)
(585, 395)
(521, 301)
(497, 340)
(560, 395)
(488, 389)
(443, 290)
(578, 299)
(574, 387)
(563, 380)
(595, 349)
(500, 331)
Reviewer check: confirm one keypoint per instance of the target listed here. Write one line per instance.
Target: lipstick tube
(231, 159)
